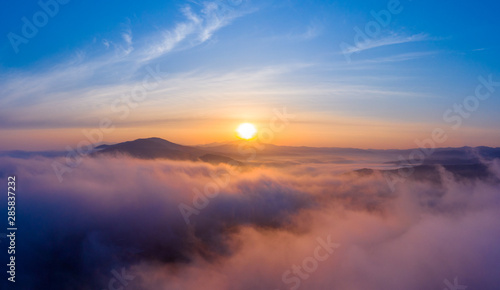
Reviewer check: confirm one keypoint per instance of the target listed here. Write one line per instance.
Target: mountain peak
(158, 148)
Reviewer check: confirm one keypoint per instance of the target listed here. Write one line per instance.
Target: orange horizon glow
(298, 134)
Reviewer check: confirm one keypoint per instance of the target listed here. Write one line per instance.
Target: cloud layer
(114, 216)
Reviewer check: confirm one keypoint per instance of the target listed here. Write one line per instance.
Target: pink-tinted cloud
(260, 226)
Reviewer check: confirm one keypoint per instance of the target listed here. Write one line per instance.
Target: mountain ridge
(157, 148)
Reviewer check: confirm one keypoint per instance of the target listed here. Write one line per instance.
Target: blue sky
(235, 60)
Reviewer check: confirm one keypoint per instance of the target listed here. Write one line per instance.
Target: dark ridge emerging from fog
(157, 148)
(230, 152)
(462, 163)
(432, 172)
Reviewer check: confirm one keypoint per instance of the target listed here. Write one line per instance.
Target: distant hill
(256, 154)
(452, 156)
(431, 172)
(442, 156)
(157, 148)
(274, 150)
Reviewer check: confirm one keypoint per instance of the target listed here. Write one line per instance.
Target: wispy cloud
(309, 32)
(197, 28)
(313, 30)
(122, 46)
(127, 38)
(386, 41)
(106, 43)
(123, 56)
(175, 94)
(401, 57)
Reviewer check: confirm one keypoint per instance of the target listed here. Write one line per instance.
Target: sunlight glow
(246, 131)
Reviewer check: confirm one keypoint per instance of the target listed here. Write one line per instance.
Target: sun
(246, 131)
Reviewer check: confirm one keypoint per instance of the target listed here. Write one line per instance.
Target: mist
(124, 223)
